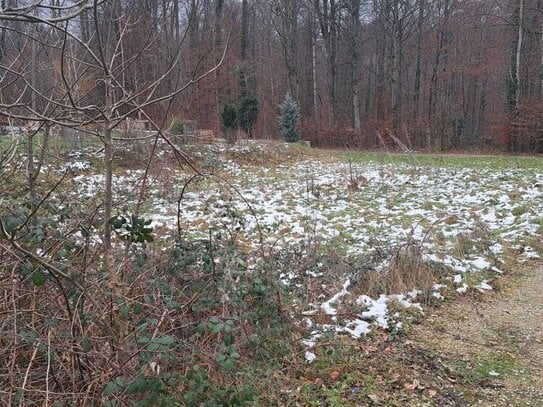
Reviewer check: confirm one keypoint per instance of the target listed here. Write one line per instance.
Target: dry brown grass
(408, 271)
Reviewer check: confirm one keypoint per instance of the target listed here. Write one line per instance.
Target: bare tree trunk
(30, 162)
(518, 55)
(433, 92)
(416, 98)
(541, 57)
(108, 162)
(356, 110)
(381, 66)
(314, 74)
(244, 29)
(31, 133)
(332, 55)
(354, 62)
(539, 142)
(43, 149)
(108, 114)
(396, 77)
(175, 14)
(327, 17)
(293, 47)
(84, 24)
(3, 35)
(244, 43)
(193, 24)
(217, 39)
(482, 108)
(290, 44)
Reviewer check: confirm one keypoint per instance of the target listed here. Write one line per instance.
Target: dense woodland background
(433, 74)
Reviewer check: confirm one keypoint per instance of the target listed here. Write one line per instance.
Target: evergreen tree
(230, 122)
(229, 116)
(288, 119)
(247, 113)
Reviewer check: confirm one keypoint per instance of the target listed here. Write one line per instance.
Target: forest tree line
(422, 74)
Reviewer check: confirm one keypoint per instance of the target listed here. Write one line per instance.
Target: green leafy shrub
(132, 228)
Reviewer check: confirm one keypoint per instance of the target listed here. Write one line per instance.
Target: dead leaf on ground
(374, 397)
(413, 386)
(334, 375)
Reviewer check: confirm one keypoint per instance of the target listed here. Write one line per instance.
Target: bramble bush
(187, 323)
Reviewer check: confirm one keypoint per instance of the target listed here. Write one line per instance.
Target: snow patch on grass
(463, 220)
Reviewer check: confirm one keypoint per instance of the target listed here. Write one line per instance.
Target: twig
(48, 368)
(53, 269)
(190, 180)
(38, 206)
(27, 373)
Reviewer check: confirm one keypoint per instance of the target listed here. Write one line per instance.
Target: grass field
(464, 216)
(56, 144)
(351, 248)
(502, 161)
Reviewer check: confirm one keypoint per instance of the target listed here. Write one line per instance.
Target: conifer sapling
(288, 119)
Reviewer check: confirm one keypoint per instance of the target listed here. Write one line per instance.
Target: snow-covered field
(466, 220)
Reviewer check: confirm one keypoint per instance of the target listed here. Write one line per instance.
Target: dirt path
(493, 344)
(481, 349)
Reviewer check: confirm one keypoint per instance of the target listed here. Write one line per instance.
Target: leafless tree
(90, 92)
